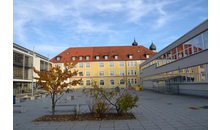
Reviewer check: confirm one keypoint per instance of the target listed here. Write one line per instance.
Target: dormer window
(130, 56)
(80, 57)
(73, 58)
(97, 57)
(116, 57)
(67, 53)
(106, 57)
(87, 57)
(58, 58)
(147, 56)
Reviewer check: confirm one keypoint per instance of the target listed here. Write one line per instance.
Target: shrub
(121, 100)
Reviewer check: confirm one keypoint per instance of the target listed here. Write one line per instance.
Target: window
(131, 64)
(87, 73)
(122, 73)
(73, 58)
(75, 66)
(130, 56)
(132, 72)
(88, 83)
(80, 65)
(111, 64)
(101, 65)
(205, 38)
(135, 64)
(106, 57)
(81, 83)
(132, 81)
(135, 72)
(112, 82)
(80, 58)
(101, 82)
(81, 73)
(122, 82)
(128, 64)
(87, 65)
(101, 73)
(58, 58)
(147, 56)
(87, 57)
(116, 57)
(129, 81)
(111, 73)
(135, 81)
(97, 57)
(128, 72)
(67, 53)
(121, 64)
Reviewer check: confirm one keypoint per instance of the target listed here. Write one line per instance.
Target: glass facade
(192, 46)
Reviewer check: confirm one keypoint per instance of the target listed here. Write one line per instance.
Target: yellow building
(109, 65)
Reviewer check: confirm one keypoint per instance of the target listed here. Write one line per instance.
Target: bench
(18, 100)
(45, 95)
(23, 108)
(75, 106)
(70, 97)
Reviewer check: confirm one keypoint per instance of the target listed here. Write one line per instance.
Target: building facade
(110, 66)
(181, 67)
(22, 72)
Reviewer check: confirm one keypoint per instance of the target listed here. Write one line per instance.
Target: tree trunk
(53, 104)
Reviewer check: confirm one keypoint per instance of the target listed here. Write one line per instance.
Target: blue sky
(53, 25)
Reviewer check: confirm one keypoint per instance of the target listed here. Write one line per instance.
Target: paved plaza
(155, 111)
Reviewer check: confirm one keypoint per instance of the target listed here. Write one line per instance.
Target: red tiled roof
(110, 51)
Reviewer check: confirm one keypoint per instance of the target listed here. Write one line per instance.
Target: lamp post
(33, 77)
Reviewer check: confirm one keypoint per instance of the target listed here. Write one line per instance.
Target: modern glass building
(22, 71)
(181, 67)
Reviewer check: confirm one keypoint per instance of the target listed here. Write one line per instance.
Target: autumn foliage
(53, 80)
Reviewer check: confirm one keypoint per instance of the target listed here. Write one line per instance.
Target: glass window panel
(111, 64)
(101, 83)
(112, 82)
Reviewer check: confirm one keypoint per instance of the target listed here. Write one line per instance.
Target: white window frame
(87, 65)
(132, 72)
(75, 66)
(89, 83)
(110, 72)
(82, 74)
(87, 57)
(81, 83)
(100, 82)
(80, 57)
(120, 64)
(80, 65)
(131, 64)
(130, 56)
(116, 57)
(87, 73)
(97, 57)
(73, 58)
(100, 64)
(135, 72)
(100, 72)
(132, 81)
(110, 64)
(121, 71)
(135, 63)
(128, 63)
(120, 82)
(129, 72)
(147, 56)
(135, 81)
(110, 82)
(106, 57)
(58, 58)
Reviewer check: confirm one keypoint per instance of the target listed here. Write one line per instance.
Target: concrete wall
(198, 89)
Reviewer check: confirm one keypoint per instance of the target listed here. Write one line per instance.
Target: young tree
(53, 79)
(121, 100)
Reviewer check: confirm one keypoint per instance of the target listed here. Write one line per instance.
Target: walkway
(156, 111)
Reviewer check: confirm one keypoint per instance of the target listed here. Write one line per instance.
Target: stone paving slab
(155, 111)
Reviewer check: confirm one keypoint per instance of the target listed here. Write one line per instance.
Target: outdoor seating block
(70, 97)
(75, 106)
(23, 108)
(32, 97)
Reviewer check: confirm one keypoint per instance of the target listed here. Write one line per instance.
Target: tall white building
(22, 72)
